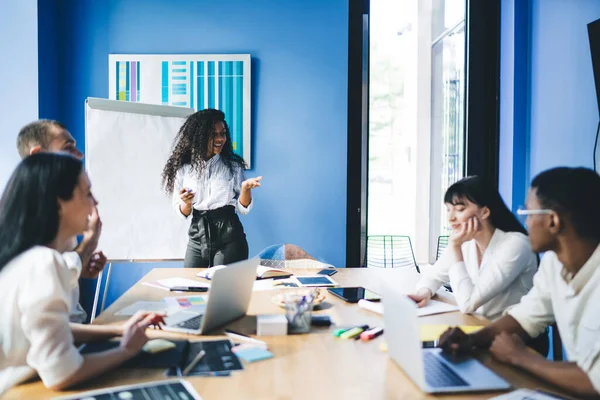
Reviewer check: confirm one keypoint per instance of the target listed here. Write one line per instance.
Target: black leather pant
(216, 237)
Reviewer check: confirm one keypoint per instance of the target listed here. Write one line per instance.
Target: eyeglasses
(524, 211)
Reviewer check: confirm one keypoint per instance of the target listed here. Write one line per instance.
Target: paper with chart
(159, 390)
(177, 302)
(526, 394)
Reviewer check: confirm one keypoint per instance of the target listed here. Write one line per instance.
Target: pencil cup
(298, 311)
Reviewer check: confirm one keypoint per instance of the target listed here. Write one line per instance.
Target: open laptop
(431, 370)
(228, 300)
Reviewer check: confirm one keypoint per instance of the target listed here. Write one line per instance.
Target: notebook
(147, 358)
(218, 358)
(262, 272)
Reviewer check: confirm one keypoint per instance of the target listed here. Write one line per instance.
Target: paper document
(274, 284)
(153, 306)
(526, 394)
(436, 307)
(433, 332)
(433, 307)
(172, 282)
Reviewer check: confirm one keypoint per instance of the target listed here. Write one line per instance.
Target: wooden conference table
(315, 365)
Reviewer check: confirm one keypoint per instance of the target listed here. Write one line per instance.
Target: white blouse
(504, 276)
(35, 334)
(215, 187)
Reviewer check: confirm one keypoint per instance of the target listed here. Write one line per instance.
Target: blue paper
(254, 354)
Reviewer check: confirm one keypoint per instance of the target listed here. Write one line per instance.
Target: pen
(235, 336)
(194, 362)
(189, 289)
(371, 334)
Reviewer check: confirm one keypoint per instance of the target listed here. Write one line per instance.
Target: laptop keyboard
(438, 374)
(192, 323)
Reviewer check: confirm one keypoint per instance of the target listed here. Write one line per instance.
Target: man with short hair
(84, 261)
(563, 219)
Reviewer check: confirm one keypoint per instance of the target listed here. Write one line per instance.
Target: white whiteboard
(126, 147)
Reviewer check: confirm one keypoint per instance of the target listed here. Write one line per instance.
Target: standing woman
(208, 184)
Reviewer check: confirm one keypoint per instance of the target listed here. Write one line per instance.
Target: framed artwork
(197, 81)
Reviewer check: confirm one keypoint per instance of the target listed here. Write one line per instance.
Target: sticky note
(383, 346)
(433, 332)
(158, 345)
(254, 354)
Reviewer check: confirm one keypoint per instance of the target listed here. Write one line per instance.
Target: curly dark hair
(191, 146)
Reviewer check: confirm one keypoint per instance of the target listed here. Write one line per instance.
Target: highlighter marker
(338, 332)
(371, 334)
(354, 332)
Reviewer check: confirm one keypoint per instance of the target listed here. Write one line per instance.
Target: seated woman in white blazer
(488, 262)
(46, 203)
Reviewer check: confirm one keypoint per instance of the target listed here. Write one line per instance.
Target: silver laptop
(228, 300)
(430, 369)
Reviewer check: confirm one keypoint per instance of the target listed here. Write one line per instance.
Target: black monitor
(594, 35)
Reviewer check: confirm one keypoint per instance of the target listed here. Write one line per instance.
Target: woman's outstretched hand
(251, 183)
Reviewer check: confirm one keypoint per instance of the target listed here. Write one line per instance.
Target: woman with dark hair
(488, 262)
(208, 184)
(46, 203)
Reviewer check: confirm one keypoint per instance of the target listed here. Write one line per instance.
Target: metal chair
(442, 243)
(390, 251)
(287, 256)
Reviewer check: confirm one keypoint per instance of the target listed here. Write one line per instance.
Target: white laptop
(228, 300)
(430, 369)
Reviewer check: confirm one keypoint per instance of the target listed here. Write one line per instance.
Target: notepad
(262, 272)
(254, 353)
(433, 332)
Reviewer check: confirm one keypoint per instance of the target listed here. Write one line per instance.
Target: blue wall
(564, 111)
(299, 94)
(515, 73)
(18, 77)
(549, 112)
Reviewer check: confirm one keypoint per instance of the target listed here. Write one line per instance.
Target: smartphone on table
(354, 294)
(327, 271)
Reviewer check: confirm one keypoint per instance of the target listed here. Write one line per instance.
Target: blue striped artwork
(211, 84)
(165, 83)
(194, 81)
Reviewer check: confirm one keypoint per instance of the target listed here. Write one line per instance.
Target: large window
(416, 117)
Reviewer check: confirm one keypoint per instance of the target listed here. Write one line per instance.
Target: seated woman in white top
(46, 202)
(488, 262)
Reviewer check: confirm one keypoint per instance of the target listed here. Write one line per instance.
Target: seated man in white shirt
(85, 261)
(563, 218)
